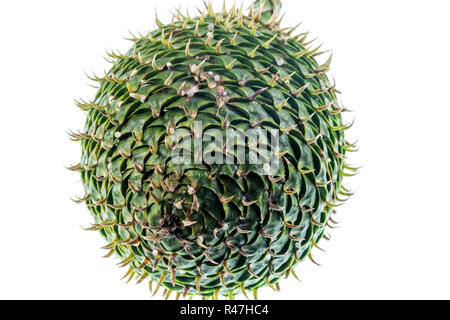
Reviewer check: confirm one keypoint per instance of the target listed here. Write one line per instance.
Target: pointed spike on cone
(197, 284)
(274, 79)
(131, 277)
(312, 260)
(300, 53)
(303, 37)
(233, 12)
(155, 67)
(210, 9)
(229, 25)
(180, 91)
(92, 78)
(133, 37)
(196, 33)
(140, 59)
(199, 67)
(188, 15)
(295, 38)
(300, 91)
(251, 23)
(218, 46)
(291, 30)
(157, 21)
(281, 105)
(187, 51)
(161, 279)
(327, 63)
(179, 14)
(259, 12)
(227, 20)
(219, 19)
(287, 273)
(169, 42)
(202, 17)
(255, 294)
(273, 19)
(156, 262)
(130, 269)
(230, 65)
(241, 17)
(142, 278)
(257, 93)
(252, 9)
(185, 291)
(168, 81)
(317, 246)
(266, 280)
(268, 42)
(315, 51)
(134, 52)
(173, 276)
(242, 287)
(252, 54)
(287, 78)
(255, 27)
(233, 41)
(150, 286)
(224, 8)
(295, 275)
(222, 279)
(310, 42)
(278, 23)
(208, 40)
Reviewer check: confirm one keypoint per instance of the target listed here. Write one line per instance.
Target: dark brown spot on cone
(171, 223)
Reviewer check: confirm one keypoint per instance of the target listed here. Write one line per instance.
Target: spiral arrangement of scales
(214, 229)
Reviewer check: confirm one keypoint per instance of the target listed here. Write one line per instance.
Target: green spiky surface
(236, 229)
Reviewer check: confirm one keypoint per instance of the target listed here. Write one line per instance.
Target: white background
(391, 61)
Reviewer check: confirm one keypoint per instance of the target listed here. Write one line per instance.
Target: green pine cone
(198, 228)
